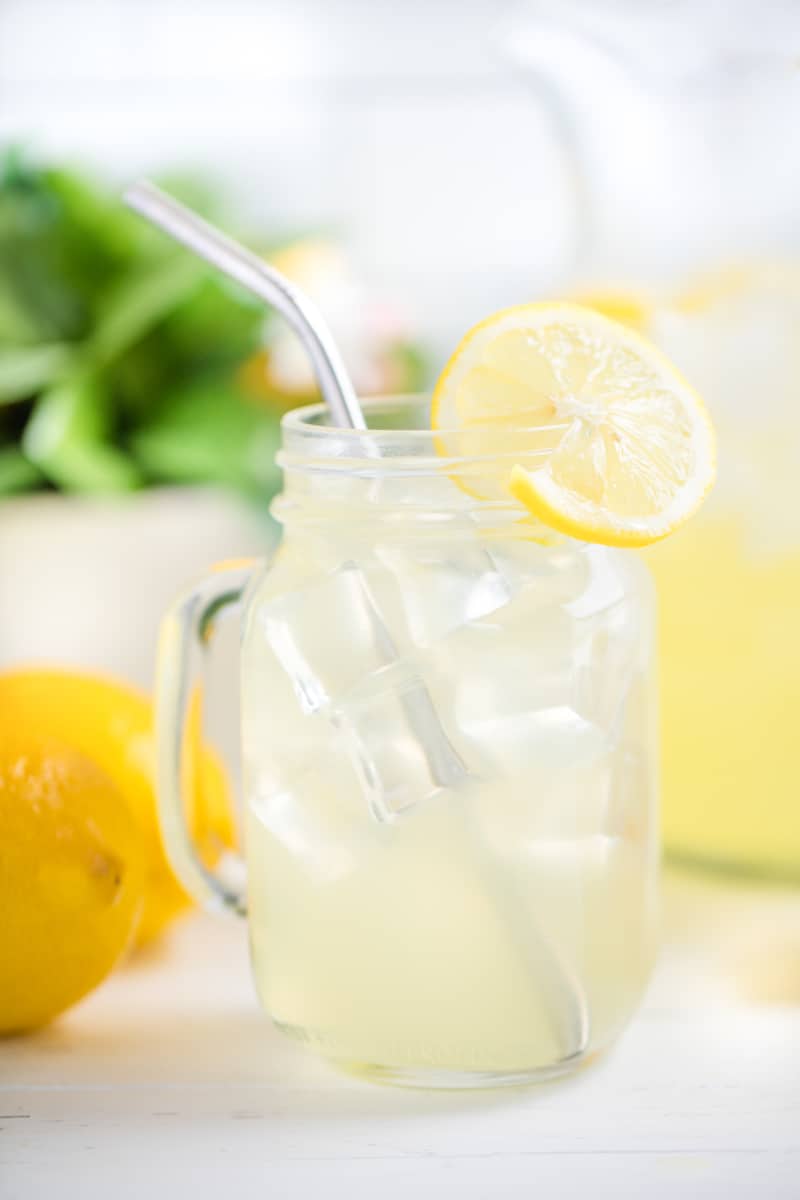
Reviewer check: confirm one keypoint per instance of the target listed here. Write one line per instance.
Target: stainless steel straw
(239, 263)
(262, 280)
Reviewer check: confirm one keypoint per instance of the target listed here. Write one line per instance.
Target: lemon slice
(611, 443)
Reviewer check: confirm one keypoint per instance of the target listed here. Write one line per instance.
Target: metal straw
(239, 263)
(263, 281)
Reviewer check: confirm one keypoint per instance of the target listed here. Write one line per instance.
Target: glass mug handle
(186, 634)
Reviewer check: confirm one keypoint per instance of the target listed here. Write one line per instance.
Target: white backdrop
(407, 127)
(400, 124)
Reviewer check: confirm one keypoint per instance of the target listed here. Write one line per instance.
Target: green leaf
(75, 409)
(17, 473)
(219, 324)
(37, 264)
(65, 439)
(19, 325)
(209, 432)
(95, 467)
(141, 301)
(97, 228)
(27, 370)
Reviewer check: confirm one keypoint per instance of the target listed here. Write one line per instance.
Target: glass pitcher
(676, 121)
(449, 763)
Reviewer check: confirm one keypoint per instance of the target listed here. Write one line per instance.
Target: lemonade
(430, 946)
(500, 924)
(729, 583)
(730, 692)
(448, 713)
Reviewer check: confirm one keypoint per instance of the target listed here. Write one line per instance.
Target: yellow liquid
(425, 946)
(499, 927)
(729, 583)
(729, 662)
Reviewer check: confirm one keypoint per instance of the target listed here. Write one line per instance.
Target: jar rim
(315, 419)
(399, 438)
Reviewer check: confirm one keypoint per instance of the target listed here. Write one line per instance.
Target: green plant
(119, 352)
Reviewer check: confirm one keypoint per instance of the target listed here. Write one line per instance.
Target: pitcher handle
(186, 634)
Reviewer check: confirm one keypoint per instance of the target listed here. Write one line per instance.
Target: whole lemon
(112, 723)
(71, 878)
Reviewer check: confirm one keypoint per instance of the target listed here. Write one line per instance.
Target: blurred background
(392, 157)
(415, 166)
(405, 129)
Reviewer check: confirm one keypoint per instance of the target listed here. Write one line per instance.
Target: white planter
(84, 580)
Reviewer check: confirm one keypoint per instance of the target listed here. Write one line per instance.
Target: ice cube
(511, 664)
(332, 633)
(510, 684)
(341, 648)
(603, 586)
(397, 743)
(442, 586)
(546, 737)
(611, 643)
(548, 574)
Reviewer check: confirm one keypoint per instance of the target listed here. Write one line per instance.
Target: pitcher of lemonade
(676, 126)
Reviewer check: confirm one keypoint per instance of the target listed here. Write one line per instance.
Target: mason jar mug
(449, 761)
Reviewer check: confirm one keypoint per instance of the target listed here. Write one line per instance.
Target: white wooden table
(170, 1082)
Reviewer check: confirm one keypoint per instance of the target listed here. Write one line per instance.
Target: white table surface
(169, 1081)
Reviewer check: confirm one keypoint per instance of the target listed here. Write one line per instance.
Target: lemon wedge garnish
(614, 445)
